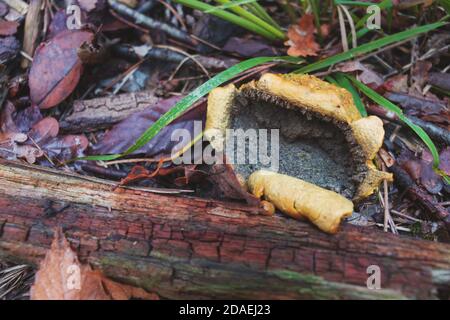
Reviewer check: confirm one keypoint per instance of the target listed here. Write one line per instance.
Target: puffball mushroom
(319, 122)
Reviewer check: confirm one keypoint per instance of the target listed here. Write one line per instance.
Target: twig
(169, 53)
(405, 216)
(144, 20)
(193, 58)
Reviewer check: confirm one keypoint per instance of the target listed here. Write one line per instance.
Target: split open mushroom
(326, 149)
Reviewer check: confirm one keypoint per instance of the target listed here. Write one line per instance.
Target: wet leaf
(91, 5)
(445, 161)
(26, 134)
(67, 147)
(58, 24)
(9, 48)
(249, 47)
(4, 9)
(8, 28)
(44, 130)
(367, 75)
(45, 135)
(398, 83)
(56, 68)
(124, 134)
(421, 170)
(301, 38)
(61, 276)
(26, 118)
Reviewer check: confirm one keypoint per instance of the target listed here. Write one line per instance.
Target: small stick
(405, 216)
(149, 22)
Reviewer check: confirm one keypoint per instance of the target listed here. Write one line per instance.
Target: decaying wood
(33, 23)
(94, 114)
(186, 247)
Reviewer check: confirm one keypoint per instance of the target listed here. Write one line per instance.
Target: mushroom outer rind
(301, 199)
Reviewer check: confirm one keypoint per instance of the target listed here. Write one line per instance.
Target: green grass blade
(382, 101)
(354, 3)
(316, 12)
(189, 100)
(371, 46)
(229, 5)
(256, 20)
(259, 11)
(345, 83)
(228, 16)
(446, 5)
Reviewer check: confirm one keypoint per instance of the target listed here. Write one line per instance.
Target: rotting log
(180, 246)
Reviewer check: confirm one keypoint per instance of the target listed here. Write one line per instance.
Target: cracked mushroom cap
(315, 99)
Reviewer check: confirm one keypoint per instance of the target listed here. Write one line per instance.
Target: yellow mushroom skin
(301, 199)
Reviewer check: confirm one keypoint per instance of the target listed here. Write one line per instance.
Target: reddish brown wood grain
(185, 247)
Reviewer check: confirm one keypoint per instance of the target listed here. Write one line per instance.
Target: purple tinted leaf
(65, 147)
(26, 118)
(249, 47)
(124, 134)
(445, 161)
(58, 24)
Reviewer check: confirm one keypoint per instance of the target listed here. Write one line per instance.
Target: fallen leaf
(25, 119)
(8, 28)
(44, 130)
(125, 133)
(91, 5)
(249, 47)
(58, 24)
(45, 134)
(4, 9)
(419, 77)
(9, 48)
(41, 136)
(397, 83)
(367, 75)
(61, 276)
(301, 38)
(56, 68)
(445, 161)
(421, 170)
(439, 79)
(213, 30)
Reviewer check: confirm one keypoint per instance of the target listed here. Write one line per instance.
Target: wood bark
(88, 115)
(179, 246)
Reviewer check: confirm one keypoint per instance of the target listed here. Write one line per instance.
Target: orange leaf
(301, 38)
(62, 277)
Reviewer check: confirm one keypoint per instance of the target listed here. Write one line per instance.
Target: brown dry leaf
(8, 28)
(62, 277)
(367, 75)
(301, 38)
(56, 68)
